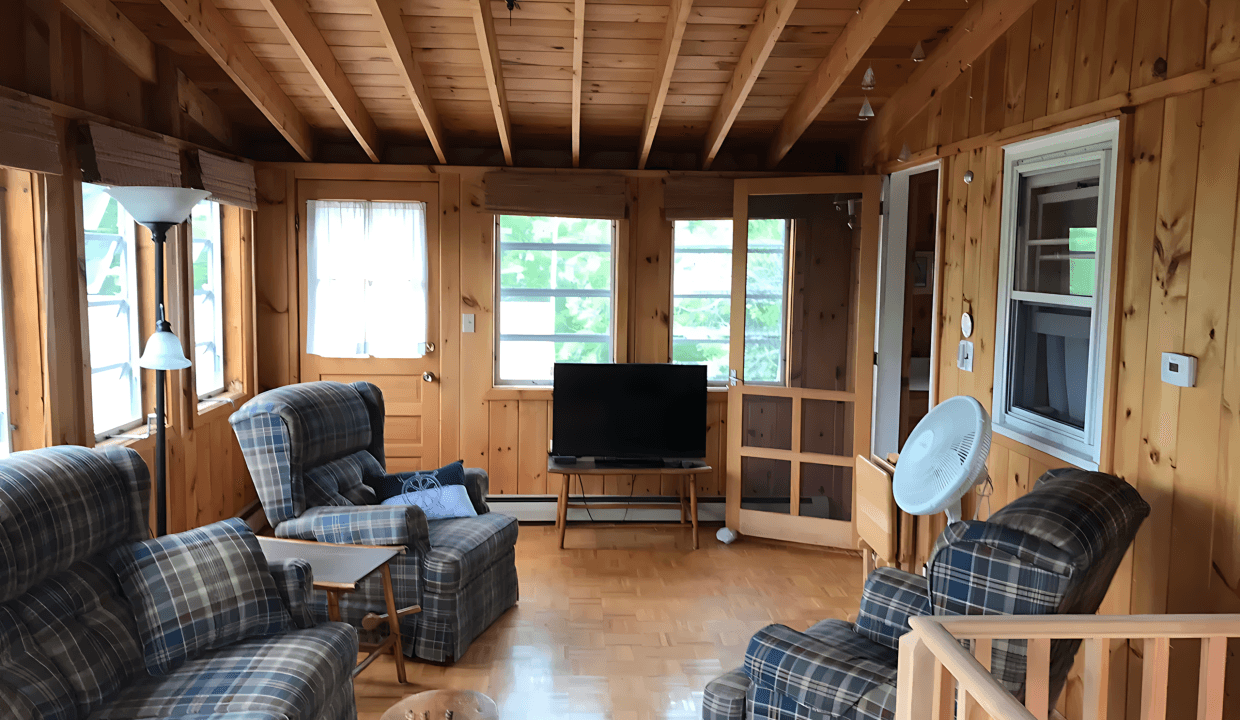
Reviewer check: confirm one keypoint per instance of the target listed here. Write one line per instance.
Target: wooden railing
(939, 678)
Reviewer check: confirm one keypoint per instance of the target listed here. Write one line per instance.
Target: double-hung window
(112, 312)
(1059, 196)
(555, 281)
(702, 295)
(208, 299)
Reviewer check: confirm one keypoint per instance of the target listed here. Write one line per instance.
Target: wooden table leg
(693, 510)
(562, 509)
(684, 509)
(333, 605)
(389, 595)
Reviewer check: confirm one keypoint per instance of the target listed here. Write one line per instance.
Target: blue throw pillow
(438, 503)
(389, 486)
(198, 590)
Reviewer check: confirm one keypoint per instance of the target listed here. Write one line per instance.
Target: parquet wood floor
(629, 624)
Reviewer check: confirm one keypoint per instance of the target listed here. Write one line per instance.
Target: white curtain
(367, 270)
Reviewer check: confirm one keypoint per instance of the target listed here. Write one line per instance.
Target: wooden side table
(687, 504)
(338, 569)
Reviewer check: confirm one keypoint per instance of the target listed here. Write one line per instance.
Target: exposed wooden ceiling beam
(762, 38)
(484, 28)
(203, 110)
(985, 21)
(677, 21)
(579, 37)
(856, 38)
(222, 42)
(396, 38)
(109, 25)
(294, 21)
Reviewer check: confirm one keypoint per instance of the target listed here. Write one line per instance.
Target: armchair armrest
(361, 525)
(889, 599)
(829, 678)
(295, 583)
(478, 483)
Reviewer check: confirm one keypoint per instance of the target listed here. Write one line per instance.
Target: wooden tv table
(687, 504)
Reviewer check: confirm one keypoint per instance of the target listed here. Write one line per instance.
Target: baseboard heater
(541, 508)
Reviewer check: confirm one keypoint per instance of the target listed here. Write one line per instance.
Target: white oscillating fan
(943, 459)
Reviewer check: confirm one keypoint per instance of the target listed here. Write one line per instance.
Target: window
(1059, 194)
(555, 295)
(208, 299)
(766, 301)
(702, 295)
(368, 279)
(112, 312)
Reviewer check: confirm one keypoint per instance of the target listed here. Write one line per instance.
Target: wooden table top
(334, 565)
(587, 467)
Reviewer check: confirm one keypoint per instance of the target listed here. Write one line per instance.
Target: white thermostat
(1179, 369)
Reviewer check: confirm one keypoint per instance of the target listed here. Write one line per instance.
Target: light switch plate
(467, 322)
(964, 356)
(1179, 369)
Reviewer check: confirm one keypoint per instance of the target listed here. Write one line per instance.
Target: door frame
(314, 366)
(889, 335)
(793, 527)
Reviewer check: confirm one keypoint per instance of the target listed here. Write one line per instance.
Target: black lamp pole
(159, 231)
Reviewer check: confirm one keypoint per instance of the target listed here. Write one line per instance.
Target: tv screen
(629, 410)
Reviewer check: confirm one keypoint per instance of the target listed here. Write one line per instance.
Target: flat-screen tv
(629, 411)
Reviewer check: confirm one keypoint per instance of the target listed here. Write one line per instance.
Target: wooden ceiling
(465, 81)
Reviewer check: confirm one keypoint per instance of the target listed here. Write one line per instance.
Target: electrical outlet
(467, 322)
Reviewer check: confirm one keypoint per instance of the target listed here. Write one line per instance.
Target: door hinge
(875, 357)
(296, 222)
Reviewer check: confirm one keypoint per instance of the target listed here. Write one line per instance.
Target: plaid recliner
(69, 642)
(308, 448)
(1055, 550)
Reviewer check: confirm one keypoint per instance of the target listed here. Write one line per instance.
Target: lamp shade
(155, 204)
(163, 352)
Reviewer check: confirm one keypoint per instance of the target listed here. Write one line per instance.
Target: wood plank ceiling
(662, 82)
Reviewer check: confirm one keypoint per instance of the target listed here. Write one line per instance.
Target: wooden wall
(505, 430)
(47, 57)
(1168, 69)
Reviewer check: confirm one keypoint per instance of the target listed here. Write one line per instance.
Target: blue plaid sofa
(69, 644)
(309, 448)
(1054, 550)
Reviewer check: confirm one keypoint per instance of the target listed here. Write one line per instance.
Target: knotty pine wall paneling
(1171, 72)
(505, 430)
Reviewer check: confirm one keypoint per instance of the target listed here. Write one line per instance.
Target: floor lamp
(160, 209)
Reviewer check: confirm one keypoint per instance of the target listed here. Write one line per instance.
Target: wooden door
(804, 277)
(410, 386)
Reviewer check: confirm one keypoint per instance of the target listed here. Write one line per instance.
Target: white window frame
(1096, 144)
(215, 274)
(500, 293)
(131, 298)
(700, 250)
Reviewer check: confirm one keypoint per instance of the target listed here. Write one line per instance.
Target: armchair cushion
(889, 599)
(31, 685)
(343, 481)
(198, 590)
(462, 548)
(828, 671)
(370, 525)
(295, 583)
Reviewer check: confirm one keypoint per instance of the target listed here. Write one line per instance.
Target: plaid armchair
(1055, 550)
(309, 448)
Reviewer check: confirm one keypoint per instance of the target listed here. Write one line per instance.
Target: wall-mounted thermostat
(1179, 369)
(964, 356)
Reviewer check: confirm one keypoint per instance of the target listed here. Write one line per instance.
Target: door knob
(428, 376)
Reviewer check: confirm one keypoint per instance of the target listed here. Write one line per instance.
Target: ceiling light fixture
(867, 80)
(919, 53)
(905, 153)
(867, 111)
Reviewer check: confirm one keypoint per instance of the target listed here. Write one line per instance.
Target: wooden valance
(581, 196)
(111, 156)
(697, 198)
(28, 137)
(230, 182)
